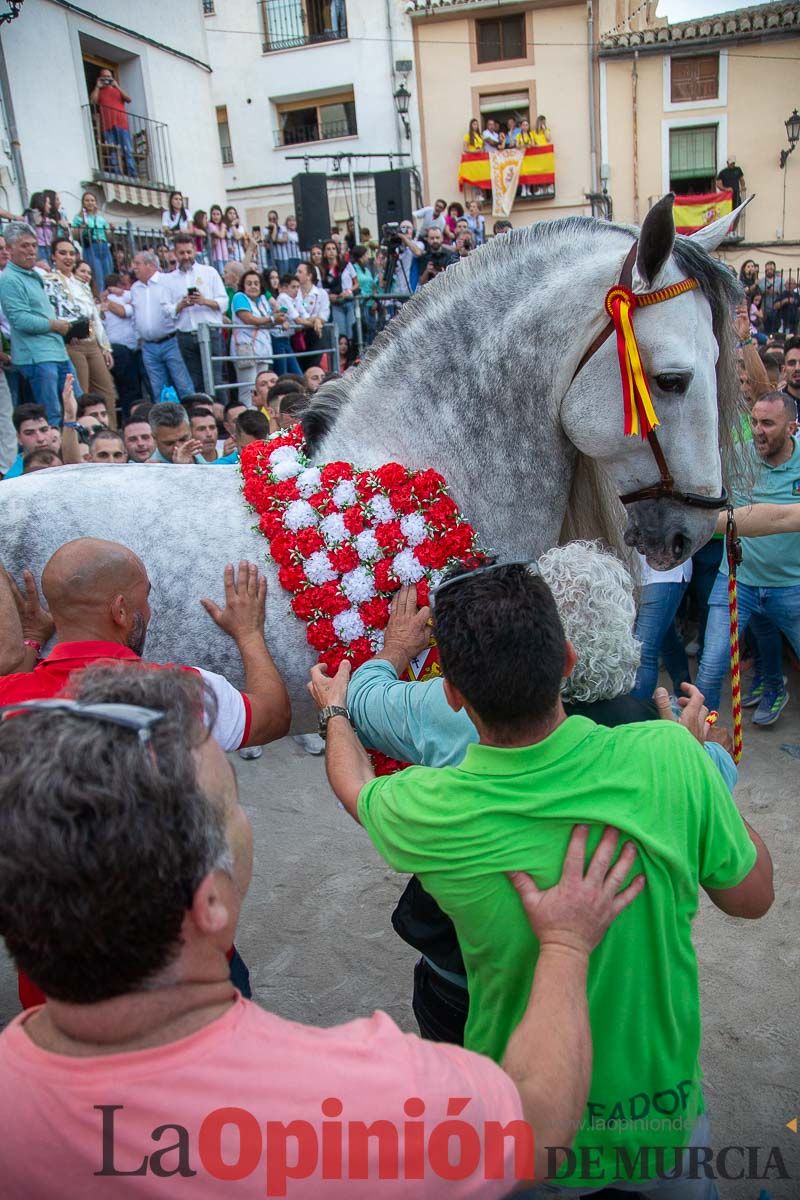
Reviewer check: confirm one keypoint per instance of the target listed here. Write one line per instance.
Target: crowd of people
(553, 959)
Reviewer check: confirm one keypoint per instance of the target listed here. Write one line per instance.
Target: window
(291, 23)
(500, 38)
(223, 130)
(208, 8)
(316, 120)
(693, 79)
(505, 105)
(693, 159)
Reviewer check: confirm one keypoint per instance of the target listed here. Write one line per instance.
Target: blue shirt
(772, 561)
(29, 312)
(16, 467)
(414, 723)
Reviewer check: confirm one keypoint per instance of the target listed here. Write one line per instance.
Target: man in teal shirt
(769, 576)
(38, 349)
(511, 804)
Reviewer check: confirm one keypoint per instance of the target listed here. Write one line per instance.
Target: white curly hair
(594, 595)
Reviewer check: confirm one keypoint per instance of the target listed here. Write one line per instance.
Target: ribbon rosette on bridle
(640, 415)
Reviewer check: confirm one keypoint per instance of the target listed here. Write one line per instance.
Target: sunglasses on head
(484, 569)
(126, 716)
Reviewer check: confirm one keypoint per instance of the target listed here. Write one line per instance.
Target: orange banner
(693, 212)
(538, 168)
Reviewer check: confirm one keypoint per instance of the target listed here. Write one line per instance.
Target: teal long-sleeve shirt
(29, 312)
(414, 722)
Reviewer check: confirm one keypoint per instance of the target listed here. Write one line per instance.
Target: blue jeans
(47, 383)
(343, 317)
(122, 138)
(289, 364)
(164, 365)
(98, 256)
(780, 605)
(655, 629)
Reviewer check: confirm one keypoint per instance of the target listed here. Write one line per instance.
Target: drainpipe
(592, 108)
(13, 134)
(635, 98)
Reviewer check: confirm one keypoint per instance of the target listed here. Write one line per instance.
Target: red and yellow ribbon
(639, 413)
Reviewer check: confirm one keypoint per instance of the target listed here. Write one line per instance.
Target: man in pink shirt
(125, 858)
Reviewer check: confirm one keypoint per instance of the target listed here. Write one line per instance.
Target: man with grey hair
(172, 434)
(38, 349)
(155, 318)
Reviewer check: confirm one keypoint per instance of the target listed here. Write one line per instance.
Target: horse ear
(710, 236)
(655, 240)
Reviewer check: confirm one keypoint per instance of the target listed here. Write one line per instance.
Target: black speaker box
(311, 208)
(393, 195)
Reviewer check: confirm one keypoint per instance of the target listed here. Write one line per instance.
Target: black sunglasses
(482, 570)
(126, 716)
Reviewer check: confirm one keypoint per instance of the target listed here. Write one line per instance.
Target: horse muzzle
(666, 532)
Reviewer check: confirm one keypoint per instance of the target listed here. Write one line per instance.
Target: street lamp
(402, 99)
(9, 9)
(792, 124)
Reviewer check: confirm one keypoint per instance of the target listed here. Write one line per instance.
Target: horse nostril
(678, 545)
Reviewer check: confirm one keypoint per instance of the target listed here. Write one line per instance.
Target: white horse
(477, 379)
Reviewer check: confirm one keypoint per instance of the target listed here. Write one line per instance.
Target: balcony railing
(227, 155)
(139, 154)
(298, 134)
(287, 24)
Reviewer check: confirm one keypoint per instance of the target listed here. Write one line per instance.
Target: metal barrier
(208, 359)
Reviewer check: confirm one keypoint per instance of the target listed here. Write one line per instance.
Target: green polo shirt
(772, 561)
(25, 303)
(461, 828)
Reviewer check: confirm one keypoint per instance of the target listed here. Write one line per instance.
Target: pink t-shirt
(226, 1096)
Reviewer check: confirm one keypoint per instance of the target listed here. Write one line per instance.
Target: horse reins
(640, 417)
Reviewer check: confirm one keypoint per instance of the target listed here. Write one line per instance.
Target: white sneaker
(312, 743)
(251, 752)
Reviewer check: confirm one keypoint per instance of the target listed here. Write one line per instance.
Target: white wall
(43, 52)
(249, 82)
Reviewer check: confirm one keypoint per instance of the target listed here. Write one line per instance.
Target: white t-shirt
(681, 574)
(232, 726)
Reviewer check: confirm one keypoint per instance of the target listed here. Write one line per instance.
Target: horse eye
(676, 384)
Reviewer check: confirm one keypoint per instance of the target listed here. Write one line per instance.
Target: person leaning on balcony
(111, 101)
(37, 334)
(93, 230)
(72, 300)
(473, 142)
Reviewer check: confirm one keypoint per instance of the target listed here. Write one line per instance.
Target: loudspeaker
(311, 208)
(393, 195)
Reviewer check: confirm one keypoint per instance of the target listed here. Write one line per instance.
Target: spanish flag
(693, 212)
(538, 168)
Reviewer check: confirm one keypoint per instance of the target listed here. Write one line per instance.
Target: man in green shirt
(511, 804)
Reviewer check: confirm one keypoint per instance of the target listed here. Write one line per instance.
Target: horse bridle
(665, 489)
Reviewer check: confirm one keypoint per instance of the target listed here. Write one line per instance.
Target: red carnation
(292, 578)
(354, 521)
(432, 553)
(442, 512)
(403, 499)
(270, 524)
(281, 547)
(390, 536)
(366, 486)
(423, 593)
(458, 540)
(304, 604)
(391, 475)
(331, 600)
(384, 765)
(375, 613)
(334, 472)
(428, 484)
(286, 490)
(321, 634)
(359, 651)
(333, 658)
(321, 501)
(385, 581)
(308, 541)
(345, 558)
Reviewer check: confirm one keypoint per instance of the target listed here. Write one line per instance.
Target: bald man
(98, 594)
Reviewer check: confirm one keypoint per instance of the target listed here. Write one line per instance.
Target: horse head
(684, 345)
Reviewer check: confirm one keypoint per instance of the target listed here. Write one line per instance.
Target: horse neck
(469, 382)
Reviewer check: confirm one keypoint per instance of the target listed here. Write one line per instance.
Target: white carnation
(413, 526)
(348, 626)
(299, 515)
(358, 585)
(286, 469)
(376, 640)
(344, 494)
(308, 481)
(319, 568)
(367, 546)
(407, 567)
(284, 454)
(381, 509)
(334, 529)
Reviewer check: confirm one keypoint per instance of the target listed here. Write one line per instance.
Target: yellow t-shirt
(473, 146)
(541, 138)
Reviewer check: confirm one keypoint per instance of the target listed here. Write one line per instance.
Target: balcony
(139, 155)
(288, 24)
(297, 135)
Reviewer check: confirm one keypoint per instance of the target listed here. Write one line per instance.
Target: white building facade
(315, 78)
(51, 137)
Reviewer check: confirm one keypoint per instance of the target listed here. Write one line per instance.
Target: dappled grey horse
(478, 378)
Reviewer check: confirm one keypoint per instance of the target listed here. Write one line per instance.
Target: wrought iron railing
(227, 155)
(287, 24)
(296, 135)
(138, 154)
(208, 8)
